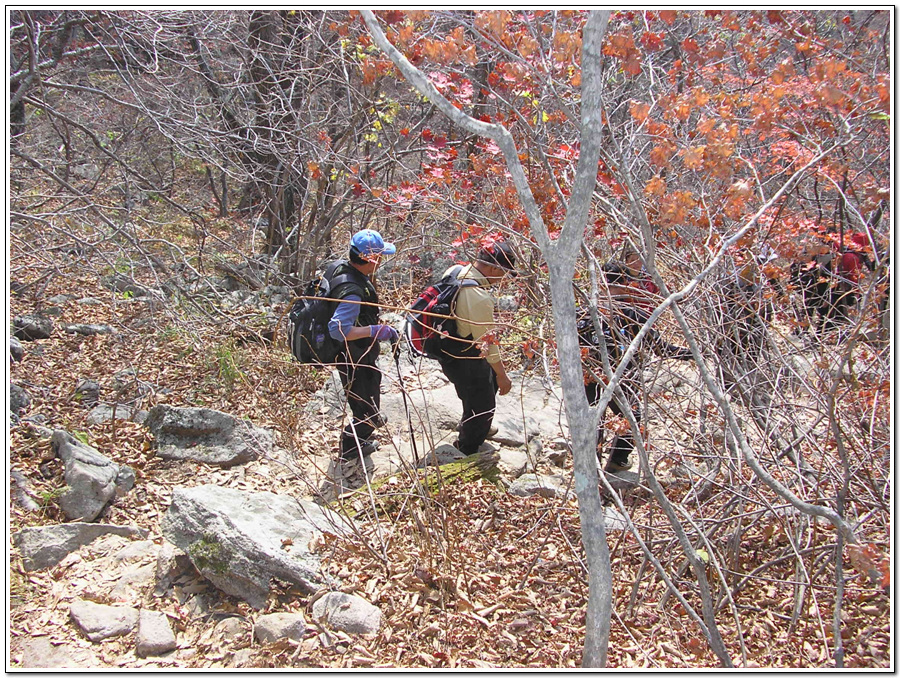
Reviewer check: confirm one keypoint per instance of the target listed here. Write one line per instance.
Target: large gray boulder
(240, 541)
(43, 547)
(92, 479)
(206, 435)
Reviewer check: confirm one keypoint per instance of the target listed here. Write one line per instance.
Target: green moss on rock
(208, 554)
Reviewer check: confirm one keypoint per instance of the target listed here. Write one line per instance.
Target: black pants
(476, 386)
(362, 385)
(622, 445)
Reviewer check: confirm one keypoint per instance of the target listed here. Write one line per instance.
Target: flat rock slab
(43, 547)
(272, 627)
(105, 412)
(531, 484)
(154, 634)
(347, 613)
(240, 541)
(98, 621)
(88, 329)
(206, 435)
(39, 652)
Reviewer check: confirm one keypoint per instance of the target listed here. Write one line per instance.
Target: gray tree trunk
(561, 256)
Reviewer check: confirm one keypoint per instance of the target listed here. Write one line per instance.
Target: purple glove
(383, 333)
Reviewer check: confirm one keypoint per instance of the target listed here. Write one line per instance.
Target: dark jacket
(359, 285)
(617, 333)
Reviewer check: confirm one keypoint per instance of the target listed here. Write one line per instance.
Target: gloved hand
(384, 333)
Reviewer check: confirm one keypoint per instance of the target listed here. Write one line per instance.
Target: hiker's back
(432, 316)
(308, 334)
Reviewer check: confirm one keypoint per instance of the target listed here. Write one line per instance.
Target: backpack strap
(349, 281)
(453, 276)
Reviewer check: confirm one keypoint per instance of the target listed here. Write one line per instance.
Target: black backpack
(308, 320)
(424, 330)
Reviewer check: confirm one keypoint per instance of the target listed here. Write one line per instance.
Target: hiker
(643, 290)
(828, 281)
(621, 325)
(477, 376)
(355, 323)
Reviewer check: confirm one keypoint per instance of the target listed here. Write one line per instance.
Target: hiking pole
(412, 438)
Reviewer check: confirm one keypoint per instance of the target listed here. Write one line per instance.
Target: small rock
(91, 478)
(43, 547)
(137, 549)
(59, 299)
(16, 350)
(531, 484)
(206, 435)
(272, 627)
(124, 481)
(512, 462)
(106, 412)
(88, 330)
(558, 457)
(171, 563)
(242, 658)
(21, 491)
(18, 399)
(89, 301)
(623, 481)
(347, 613)
(32, 327)
(87, 392)
(102, 621)
(155, 635)
(442, 454)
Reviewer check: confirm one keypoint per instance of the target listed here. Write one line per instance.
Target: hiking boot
(367, 447)
(379, 420)
(617, 465)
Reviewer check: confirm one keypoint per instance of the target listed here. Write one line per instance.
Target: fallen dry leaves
(469, 578)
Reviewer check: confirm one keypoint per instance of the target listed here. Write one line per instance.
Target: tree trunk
(561, 256)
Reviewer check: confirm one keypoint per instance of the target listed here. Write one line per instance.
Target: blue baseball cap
(368, 242)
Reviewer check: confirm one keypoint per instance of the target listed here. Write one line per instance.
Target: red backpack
(426, 324)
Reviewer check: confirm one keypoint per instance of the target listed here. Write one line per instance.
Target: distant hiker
(828, 281)
(618, 326)
(355, 322)
(644, 289)
(477, 376)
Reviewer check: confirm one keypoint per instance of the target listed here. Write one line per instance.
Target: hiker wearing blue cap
(355, 323)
